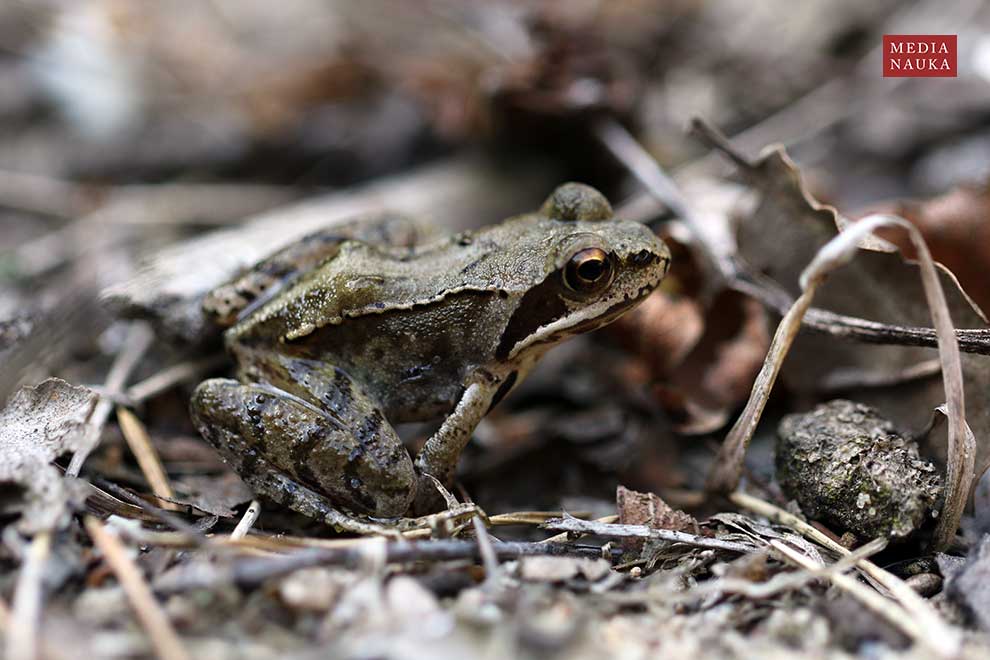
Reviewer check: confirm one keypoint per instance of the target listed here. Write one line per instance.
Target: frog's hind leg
(303, 456)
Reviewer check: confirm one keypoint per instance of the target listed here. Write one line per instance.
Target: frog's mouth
(594, 317)
(610, 314)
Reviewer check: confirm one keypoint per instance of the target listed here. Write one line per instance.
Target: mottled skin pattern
(371, 330)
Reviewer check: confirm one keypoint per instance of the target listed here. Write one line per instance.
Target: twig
(529, 517)
(253, 571)
(166, 378)
(22, 637)
(137, 342)
(786, 518)
(778, 583)
(919, 609)
(728, 465)
(168, 517)
(644, 167)
(40, 194)
(151, 465)
(945, 647)
(247, 521)
(970, 340)
(485, 549)
(573, 525)
(563, 536)
(163, 637)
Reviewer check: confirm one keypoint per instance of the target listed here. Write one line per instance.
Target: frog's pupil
(591, 269)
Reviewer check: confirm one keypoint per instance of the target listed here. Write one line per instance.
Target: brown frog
(338, 338)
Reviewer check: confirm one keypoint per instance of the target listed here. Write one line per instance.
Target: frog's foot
(312, 504)
(447, 521)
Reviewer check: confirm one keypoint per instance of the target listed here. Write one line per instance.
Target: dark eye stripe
(539, 306)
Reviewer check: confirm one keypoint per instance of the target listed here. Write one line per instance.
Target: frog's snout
(649, 263)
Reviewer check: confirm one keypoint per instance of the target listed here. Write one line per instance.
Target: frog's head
(595, 268)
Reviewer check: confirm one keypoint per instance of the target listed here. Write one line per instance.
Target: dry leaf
(38, 425)
(701, 358)
(648, 509)
(956, 227)
(781, 238)
(214, 495)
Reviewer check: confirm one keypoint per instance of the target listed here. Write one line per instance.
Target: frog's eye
(588, 271)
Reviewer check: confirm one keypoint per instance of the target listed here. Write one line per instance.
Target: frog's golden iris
(589, 271)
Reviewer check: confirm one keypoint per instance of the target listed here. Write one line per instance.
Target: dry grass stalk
(137, 342)
(22, 633)
(893, 612)
(147, 457)
(918, 608)
(163, 637)
(247, 521)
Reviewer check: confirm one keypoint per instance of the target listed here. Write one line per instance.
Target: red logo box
(919, 56)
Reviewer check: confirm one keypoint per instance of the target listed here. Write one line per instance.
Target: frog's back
(407, 328)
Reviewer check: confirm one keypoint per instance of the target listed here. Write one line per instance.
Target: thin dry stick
(529, 517)
(562, 537)
(838, 251)
(45, 649)
(163, 637)
(727, 469)
(247, 521)
(488, 558)
(173, 375)
(920, 609)
(146, 509)
(137, 342)
(255, 570)
(573, 525)
(971, 340)
(40, 194)
(147, 457)
(22, 638)
(944, 647)
(644, 167)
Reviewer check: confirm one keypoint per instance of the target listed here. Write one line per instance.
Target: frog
(346, 333)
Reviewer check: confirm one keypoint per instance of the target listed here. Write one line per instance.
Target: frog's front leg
(312, 457)
(440, 454)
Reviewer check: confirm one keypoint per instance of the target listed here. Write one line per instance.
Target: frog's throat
(587, 319)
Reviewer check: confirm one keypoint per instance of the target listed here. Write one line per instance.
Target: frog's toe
(258, 428)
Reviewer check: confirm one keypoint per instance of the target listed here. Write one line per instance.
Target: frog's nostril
(642, 258)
